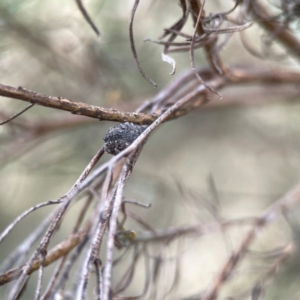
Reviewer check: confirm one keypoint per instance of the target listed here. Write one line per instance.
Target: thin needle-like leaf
(192, 54)
(87, 17)
(136, 3)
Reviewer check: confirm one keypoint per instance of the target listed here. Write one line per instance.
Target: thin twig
(136, 3)
(46, 239)
(23, 215)
(57, 252)
(70, 263)
(230, 29)
(126, 171)
(192, 53)
(21, 251)
(98, 268)
(40, 278)
(262, 282)
(274, 211)
(128, 274)
(16, 115)
(198, 229)
(92, 254)
(87, 17)
(59, 267)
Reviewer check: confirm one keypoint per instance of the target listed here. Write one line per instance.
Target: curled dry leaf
(170, 61)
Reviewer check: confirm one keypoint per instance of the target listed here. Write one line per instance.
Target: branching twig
(288, 39)
(105, 185)
(46, 239)
(57, 252)
(282, 205)
(59, 267)
(238, 75)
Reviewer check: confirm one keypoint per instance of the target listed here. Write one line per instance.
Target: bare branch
(59, 267)
(77, 108)
(56, 220)
(112, 231)
(21, 251)
(57, 252)
(110, 220)
(40, 277)
(272, 213)
(289, 40)
(237, 75)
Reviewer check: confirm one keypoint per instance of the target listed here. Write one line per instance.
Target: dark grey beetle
(119, 137)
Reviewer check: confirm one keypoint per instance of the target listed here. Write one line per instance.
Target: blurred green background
(250, 151)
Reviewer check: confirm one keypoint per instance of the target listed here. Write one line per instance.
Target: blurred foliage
(251, 152)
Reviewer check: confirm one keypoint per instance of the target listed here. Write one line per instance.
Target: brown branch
(62, 262)
(271, 213)
(54, 254)
(77, 108)
(66, 199)
(66, 246)
(216, 62)
(237, 75)
(283, 35)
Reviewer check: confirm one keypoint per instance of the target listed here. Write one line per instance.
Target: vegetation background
(245, 145)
